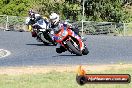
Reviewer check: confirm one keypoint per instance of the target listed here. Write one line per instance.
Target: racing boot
(34, 34)
(60, 50)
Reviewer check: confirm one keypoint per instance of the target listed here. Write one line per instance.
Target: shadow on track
(39, 45)
(64, 55)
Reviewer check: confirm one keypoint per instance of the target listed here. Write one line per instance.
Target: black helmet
(31, 14)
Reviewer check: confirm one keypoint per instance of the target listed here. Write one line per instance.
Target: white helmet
(54, 18)
(37, 15)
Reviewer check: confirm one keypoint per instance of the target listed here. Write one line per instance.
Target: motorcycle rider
(55, 25)
(33, 18)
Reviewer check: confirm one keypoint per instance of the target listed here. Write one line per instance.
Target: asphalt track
(26, 51)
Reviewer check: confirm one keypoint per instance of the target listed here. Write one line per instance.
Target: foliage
(95, 10)
(14, 7)
(65, 9)
(105, 10)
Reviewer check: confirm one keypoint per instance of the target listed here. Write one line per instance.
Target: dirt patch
(46, 69)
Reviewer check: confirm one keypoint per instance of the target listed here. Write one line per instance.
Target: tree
(104, 10)
(14, 7)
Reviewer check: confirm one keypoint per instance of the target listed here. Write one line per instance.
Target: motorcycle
(41, 32)
(69, 40)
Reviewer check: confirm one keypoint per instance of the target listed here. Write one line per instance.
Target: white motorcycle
(42, 32)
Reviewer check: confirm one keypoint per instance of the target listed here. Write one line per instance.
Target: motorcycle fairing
(68, 34)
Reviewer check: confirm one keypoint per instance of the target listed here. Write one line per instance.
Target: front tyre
(85, 51)
(41, 37)
(73, 48)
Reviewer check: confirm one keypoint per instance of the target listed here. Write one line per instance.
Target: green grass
(56, 80)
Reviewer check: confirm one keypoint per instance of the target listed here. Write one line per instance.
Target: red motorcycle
(70, 41)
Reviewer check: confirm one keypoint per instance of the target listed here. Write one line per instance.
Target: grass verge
(55, 79)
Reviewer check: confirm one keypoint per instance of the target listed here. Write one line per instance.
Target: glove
(30, 28)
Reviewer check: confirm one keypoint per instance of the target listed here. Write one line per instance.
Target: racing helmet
(31, 14)
(54, 18)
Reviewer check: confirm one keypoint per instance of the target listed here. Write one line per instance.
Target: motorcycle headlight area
(63, 35)
(60, 37)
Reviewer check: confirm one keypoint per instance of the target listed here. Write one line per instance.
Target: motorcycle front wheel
(85, 50)
(73, 48)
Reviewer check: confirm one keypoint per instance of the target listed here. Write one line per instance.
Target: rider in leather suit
(33, 18)
(55, 25)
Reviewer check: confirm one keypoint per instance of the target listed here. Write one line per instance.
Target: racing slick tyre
(45, 43)
(49, 39)
(85, 51)
(73, 48)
